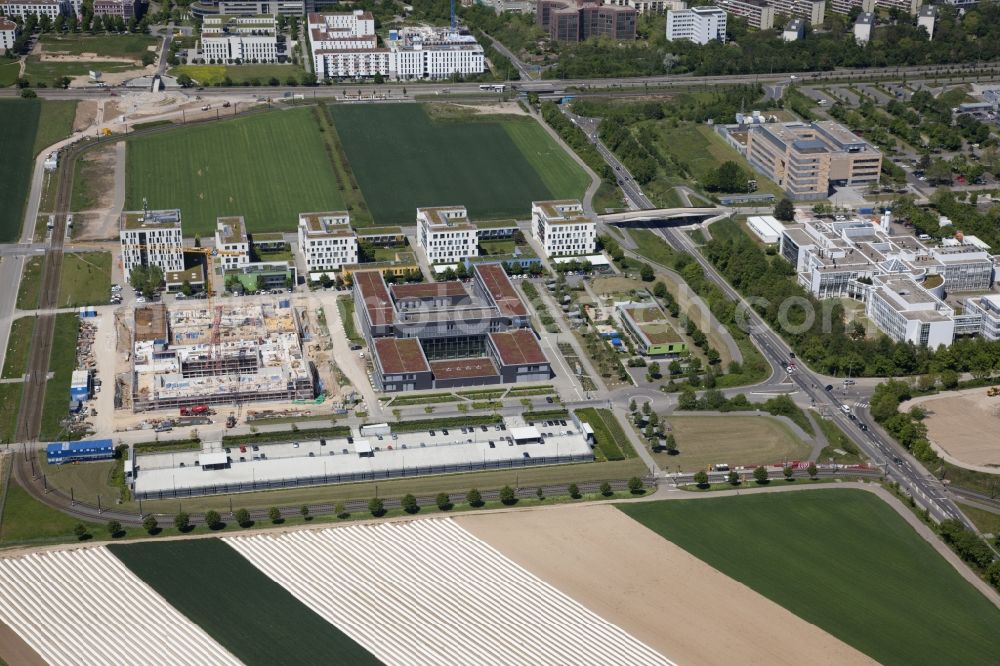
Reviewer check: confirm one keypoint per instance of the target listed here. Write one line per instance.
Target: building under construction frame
(200, 355)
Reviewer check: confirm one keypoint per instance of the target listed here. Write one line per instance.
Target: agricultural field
(248, 613)
(85, 279)
(55, 123)
(17, 140)
(49, 598)
(745, 441)
(283, 170)
(257, 75)
(49, 71)
(843, 560)
(405, 156)
(481, 603)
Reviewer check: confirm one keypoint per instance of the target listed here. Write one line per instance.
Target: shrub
(213, 519)
(114, 528)
(474, 498)
(243, 518)
(811, 470)
(376, 507)
(182, 522)
(635, 485)
(507, 495)
(274, 513)
(150, 525)
(409, 503)
(574, 491)
(340, 510)
(81, 531)
(701, 478)
(788, 471)
(760, 475)
(606, 489)
(443, 501)
(304, 510)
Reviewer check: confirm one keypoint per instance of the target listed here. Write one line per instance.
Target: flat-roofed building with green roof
(652, 332)
(562, 228)
(446, 234)
(232, 242)
(327, 241)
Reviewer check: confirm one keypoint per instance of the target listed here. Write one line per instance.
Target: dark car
(862, 426)
(829, 387)
(549, 399)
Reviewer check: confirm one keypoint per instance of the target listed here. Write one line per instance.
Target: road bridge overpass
(661, 217)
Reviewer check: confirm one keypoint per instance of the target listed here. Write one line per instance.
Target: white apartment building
(794, 30)
(697, 24)
(987, 308)
(863, 27)
(927, 18)
(813, 11)
(650, 6)
(562, 228)
(844, 6)
(446, 235)
(239, 39)
(327, 241)
(40, 8)
(345, 46)
(151, 238)
(8, 34)
(758, 13)
(231, 241)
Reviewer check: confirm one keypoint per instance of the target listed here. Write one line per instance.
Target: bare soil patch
(86, 115)
(963, 426)
(14, 650)
(654, 590)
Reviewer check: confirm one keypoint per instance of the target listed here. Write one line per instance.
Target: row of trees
(760, 475)
(969, 37)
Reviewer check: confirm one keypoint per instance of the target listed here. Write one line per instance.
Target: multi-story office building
(327, 241)
(697, 24)
(446, 235)
(845, 6)
(649, 6)
(232, 242)
(204, 8)
(8, 34)
(239, 39)
(758, 13)
(578, 20)
(562, 229)
(987, 308)
(806, 159)
(39, 8)
(902, 280)
(151, 238)
(448, 334)
(345, 46)
(125, 9)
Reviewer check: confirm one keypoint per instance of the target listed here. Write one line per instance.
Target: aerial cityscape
(536, 332)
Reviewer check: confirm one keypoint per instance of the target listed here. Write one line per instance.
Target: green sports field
(844, 561)
(249, 614)
(17, 139)
(494, 165)
(268, 167)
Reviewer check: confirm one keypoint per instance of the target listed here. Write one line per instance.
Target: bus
(493, 87)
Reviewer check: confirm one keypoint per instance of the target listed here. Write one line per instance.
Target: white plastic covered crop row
(86, 607)
(429, 592)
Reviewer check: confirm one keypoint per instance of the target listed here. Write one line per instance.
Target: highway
(881, 449)
(568, 85)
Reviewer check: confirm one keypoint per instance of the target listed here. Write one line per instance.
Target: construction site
(224, 354)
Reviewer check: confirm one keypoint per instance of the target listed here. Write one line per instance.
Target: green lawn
(9, 71)
(109, 46)
(62, 362)
(249, 614)
(987, 521)
(17, 139)
(85, 279)
(213, 75)
(31, 283)
(93, 174)
(844, 561)
(18, 344)
(403, 159)
(26, 519)
(612, 442)
(55, 123)
(10, 406)
(745, 441)
(268, 167)
(346, 308)
(701, 150)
